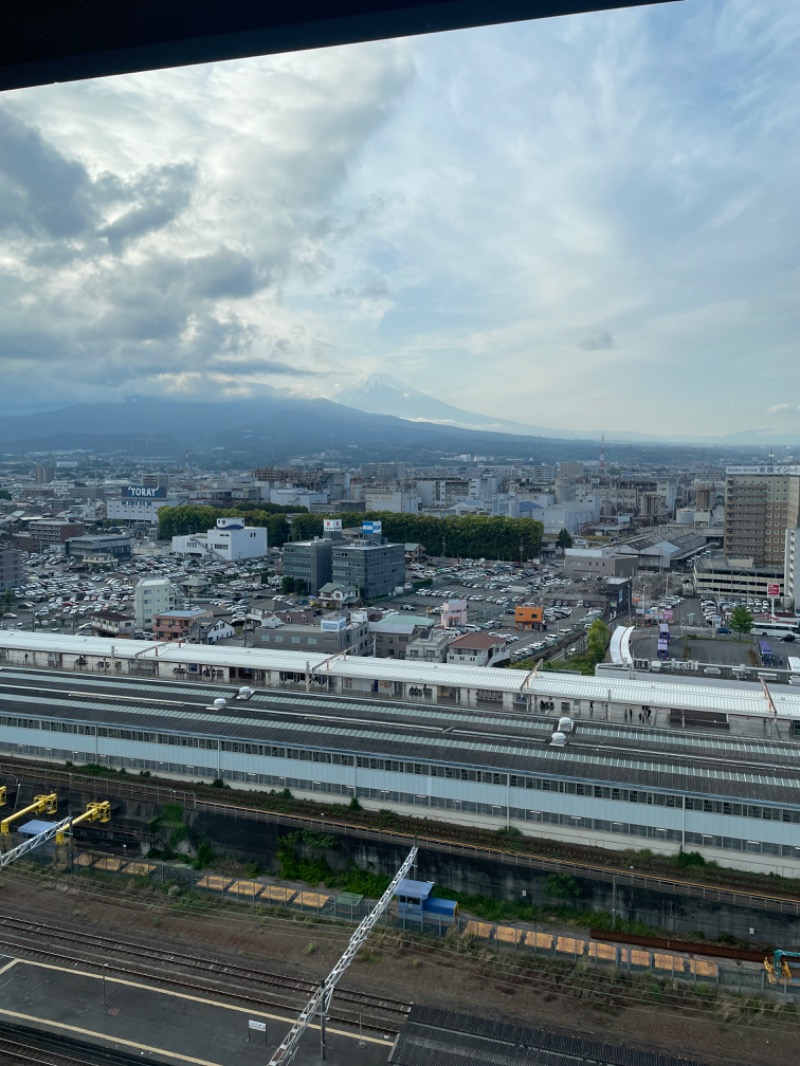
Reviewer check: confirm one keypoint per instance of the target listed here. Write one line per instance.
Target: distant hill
(386, 395)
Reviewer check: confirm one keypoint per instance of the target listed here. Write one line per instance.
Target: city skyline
(575, 223)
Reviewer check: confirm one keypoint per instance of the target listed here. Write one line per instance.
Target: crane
(320, 1002)
(41, 805)
(95, 812)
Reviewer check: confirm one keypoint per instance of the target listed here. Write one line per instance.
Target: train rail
(26, 936)
(735, 895)
(23, 1046)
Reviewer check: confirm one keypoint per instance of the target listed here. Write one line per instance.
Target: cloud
(596, 340)
(41, 192)
(783, 409)
(446, 207)
(159, 196)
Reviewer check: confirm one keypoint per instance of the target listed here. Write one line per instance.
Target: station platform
(164, 1026)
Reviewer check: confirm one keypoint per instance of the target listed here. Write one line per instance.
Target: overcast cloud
(588, 222)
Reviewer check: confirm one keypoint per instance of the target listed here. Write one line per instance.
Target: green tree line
(180, 521)
(469, 536)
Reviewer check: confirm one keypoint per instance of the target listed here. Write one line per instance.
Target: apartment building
(152, 596)
(761, 503)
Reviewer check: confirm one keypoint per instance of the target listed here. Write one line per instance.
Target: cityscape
(400, 537)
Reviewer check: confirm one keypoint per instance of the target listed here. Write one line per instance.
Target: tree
(564, 540)
(740, 620)
(597, 640)
(288, 584)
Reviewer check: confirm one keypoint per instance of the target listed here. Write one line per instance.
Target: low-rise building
(113, 624)
(99, 545)
(392, 634)
(230, 539)
(478, 649)
(183, 624)
(430, 646)
(329, 636)
(581, 563)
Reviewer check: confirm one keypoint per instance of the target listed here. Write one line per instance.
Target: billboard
(143, 492)
(371, 527)
(333, 625)
(773, 590)
(331, 525)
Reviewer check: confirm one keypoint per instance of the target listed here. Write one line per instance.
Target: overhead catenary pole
(320, 1002)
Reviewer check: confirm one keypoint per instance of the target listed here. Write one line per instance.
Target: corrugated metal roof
(656, 691)
(360, 729)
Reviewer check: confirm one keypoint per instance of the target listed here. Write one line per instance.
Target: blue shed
(414, 900)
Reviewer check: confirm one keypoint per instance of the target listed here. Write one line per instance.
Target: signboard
(142, 492)
(333, 625)
(773, 590)
(331, 525)
(258, 1027)
(371, 527)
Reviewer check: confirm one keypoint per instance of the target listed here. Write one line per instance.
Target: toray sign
(141, 492)
(773, 591)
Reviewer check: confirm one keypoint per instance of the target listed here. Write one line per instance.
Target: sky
(587, 222)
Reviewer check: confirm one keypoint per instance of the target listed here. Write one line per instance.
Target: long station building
(647, 763)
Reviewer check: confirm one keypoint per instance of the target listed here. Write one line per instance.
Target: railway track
(212, 975)
(20, 1046)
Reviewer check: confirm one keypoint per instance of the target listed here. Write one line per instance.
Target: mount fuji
(382, 394)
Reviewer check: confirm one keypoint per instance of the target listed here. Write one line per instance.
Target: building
(141, 503)
(478, 649)
(663, 550)
(310, 561)
(216, 631)
(430, 646)
(152, 595)
(374, 569)
(49, 532)
(454, 614)
(329, 636)
(392, 634)
(716, 575)
(607, 786)
(99, 547)
(230, 539)
(11, 568)
(761, 503)
(582, 563)
(334, 594)
(183, 624)
(398, 499)
(529, 617)
(791, 570)
(113, 624)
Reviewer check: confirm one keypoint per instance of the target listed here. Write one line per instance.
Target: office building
(310, 561)
(374, 569)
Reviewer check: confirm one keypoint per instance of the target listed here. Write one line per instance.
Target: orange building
(528, 617)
